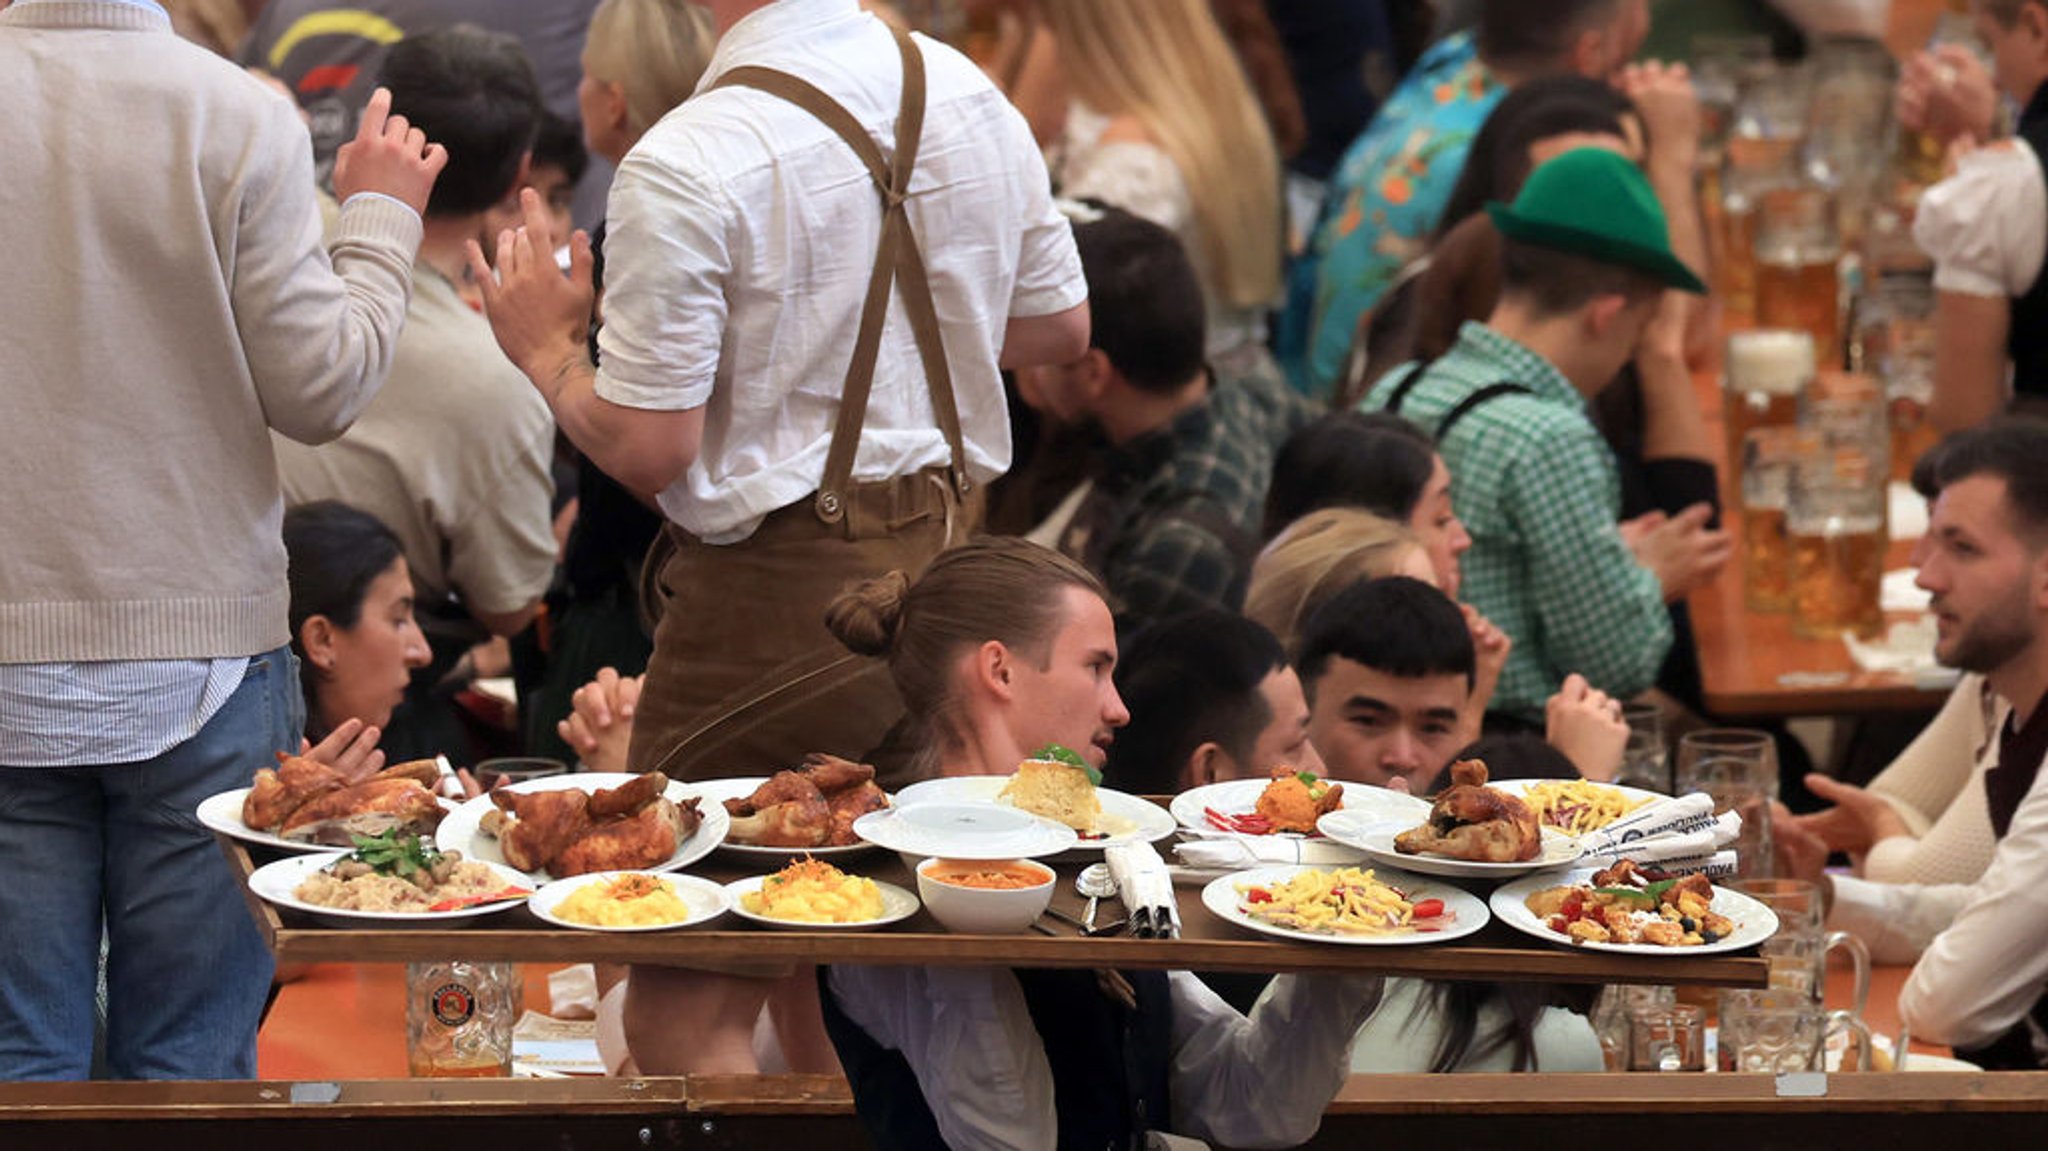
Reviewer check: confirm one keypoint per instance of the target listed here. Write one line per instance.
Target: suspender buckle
(830, 509)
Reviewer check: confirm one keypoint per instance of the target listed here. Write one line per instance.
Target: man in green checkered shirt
(1586, 261)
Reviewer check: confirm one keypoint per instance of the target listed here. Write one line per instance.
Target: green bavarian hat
(1594, 203)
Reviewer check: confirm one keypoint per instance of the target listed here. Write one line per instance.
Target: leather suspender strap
(1464, 407)
(897, 262)
(1404, 385)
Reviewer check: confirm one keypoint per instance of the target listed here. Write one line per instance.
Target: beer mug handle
(1858, 1030)
(1859, 960)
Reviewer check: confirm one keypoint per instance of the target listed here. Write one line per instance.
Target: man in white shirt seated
(1983, 946)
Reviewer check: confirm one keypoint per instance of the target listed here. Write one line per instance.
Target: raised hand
(540, 316)
(1585, 724)
(1856, 822)
(351, 749)
(388, 156)
(1683, 552)
(600, 724)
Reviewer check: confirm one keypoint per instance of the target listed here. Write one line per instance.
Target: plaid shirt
(1171, 524)
(1537, 488)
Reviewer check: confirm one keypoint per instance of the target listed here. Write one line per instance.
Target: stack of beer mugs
(1764, 150)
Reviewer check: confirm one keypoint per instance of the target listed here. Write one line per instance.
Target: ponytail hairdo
(1002, 589)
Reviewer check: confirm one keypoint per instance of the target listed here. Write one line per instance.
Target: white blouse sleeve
(1986, 227)
(1264, 1081)
(968, 1038)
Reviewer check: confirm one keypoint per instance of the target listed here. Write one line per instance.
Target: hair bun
(866, 616)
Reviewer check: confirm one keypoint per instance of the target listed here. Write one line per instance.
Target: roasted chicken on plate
(307, 801)
(812, 806)
(1472, 821)
(571, 832)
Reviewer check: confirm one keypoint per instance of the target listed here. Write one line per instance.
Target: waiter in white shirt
(1982, 947)
(815, 267)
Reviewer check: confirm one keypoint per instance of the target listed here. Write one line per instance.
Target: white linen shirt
(1982, 947)
(740, 237)
(1986, 226)
(968, 1037)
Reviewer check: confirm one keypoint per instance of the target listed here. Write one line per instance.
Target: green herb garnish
(1054, 753)
(391, 853)
(1650, 893)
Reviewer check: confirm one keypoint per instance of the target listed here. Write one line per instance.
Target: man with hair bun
(998, 648)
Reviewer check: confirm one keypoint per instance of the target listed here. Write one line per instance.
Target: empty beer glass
(1738, 769)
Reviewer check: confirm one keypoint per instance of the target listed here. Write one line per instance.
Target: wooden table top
(1207, 944)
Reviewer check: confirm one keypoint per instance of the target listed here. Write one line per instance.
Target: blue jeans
(119, 845)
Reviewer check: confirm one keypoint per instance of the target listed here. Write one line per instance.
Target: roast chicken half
(813, 806)
(570, 832)
(309, 802)
(1473, 821)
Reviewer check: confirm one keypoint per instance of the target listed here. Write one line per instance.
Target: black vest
(2027, 339)
(1109, 1064)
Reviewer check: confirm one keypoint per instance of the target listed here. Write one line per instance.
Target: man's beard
(1991, 641)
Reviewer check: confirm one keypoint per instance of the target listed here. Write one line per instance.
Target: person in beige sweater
(171, 304)
(1924, 818)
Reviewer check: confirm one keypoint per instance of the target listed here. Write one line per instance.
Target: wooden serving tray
(1207, 943)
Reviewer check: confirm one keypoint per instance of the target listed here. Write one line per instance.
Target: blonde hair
(656, 50)
(1167, 64)
(1003, 589)
(1314, 558)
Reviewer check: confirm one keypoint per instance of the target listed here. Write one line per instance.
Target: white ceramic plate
(1376, 839)
(1754, 922)
(719, 790)
(223, 813)
(460, 831)
(1224, 897)
(275, 883)
(1520, 787)
(1126, 818)
(705, 899)
(965, 830)
(1241, 797)
(897, 905)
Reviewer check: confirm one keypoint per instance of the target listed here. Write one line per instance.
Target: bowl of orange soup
(985, 896)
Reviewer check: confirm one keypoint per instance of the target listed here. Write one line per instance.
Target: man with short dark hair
(1391, 187)
(1587, 260)
(1170, 520)
(1212, 697)
(1387, 665)
(1982, 947)
(454, 454)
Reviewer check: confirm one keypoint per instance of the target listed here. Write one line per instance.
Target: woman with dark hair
(1378, 462)
(351, 619)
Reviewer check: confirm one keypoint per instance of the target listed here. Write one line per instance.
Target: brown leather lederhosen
(745, 678)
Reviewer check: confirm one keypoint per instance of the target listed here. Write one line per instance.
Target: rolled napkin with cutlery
(1146, 888)
(1718, 866)
(1680, 816)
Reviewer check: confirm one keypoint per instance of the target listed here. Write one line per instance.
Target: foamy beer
(1836, 524)
(1767, 371)
(1797, 253)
